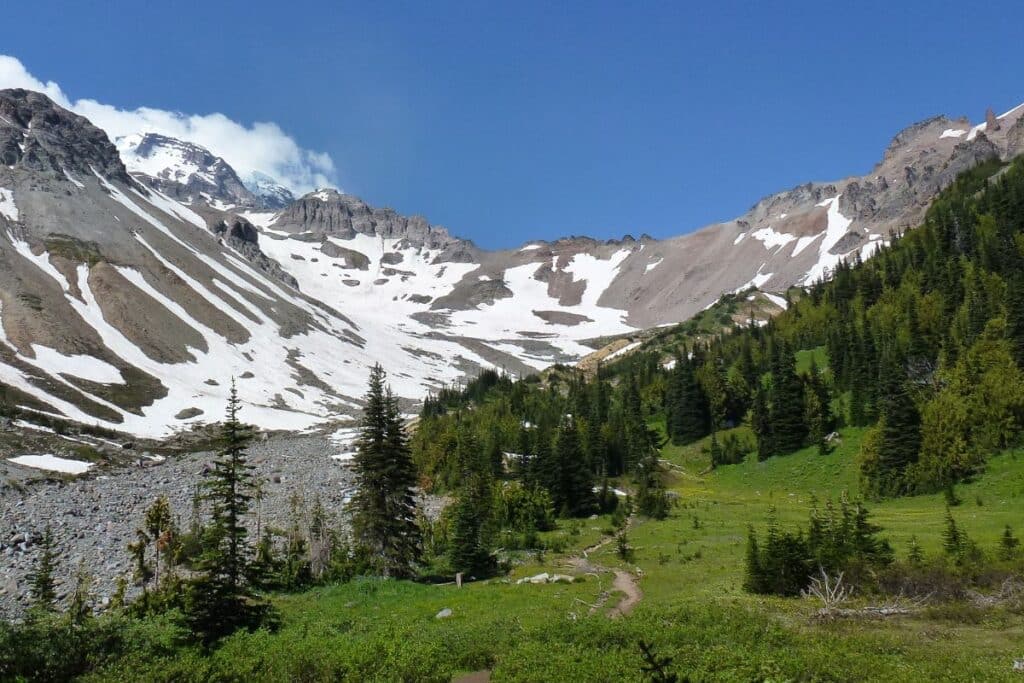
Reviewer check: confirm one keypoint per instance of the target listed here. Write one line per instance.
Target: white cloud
(262, 147)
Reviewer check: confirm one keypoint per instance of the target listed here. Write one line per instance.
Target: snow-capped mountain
(272, 194)
(131, 296)
(192, 174)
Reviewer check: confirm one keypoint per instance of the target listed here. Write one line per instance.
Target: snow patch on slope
(52, 463)
(8, 209)
(838, 226)
(77, 365)
(771, 238)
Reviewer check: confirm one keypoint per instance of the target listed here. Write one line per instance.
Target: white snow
(973, 133)
(872, 247)
(1005, 114)
(597, 489)
(652, 266)
(776, 299)
(123, 199)
(373, 323)
(28, 425)
(172, 207)
(83, 367)
(624, 350)
(757, 281)
(261, 219)
(739, 238)
(838, 225)
(42, 261)
(952, 133)
(48, 461)
(8, 209)
(530, 247)
(771, 238)
(804, 242)
(70, 177)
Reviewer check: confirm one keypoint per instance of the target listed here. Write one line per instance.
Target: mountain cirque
(131, 295)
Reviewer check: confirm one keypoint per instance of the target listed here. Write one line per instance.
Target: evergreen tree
(651, 498)
(137, 550)
(715, 450)
(597, 448)
(159, 526)
(42, 586)
(753, 577)
(470, 548)
(761, 422)
(789, 431)
(80, 605)
(1014, 304)
(573, 493)
(953, 539)
(818, 414)
(900, 425)
(915, 556)
(220, 597)
(690, 411)
(384, 520)
(866, 547)
(1008, 544)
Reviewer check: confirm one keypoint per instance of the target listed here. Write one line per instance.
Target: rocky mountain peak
(338, 214)
(914, 132)
(39, 136)
(272, 194)
(184, 170)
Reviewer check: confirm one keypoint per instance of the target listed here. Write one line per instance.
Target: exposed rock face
(243, 237)
(38, 136)
(329, 212)
(991, 122)
(349, 257)
(475, 294)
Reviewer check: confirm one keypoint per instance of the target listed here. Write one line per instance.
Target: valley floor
(689, 604)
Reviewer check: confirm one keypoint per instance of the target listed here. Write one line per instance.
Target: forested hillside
(923, 343)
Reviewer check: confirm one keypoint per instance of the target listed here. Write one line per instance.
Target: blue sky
(536, 120)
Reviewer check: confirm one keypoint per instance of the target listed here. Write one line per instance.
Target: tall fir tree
(220, 597)
(574, 490)
(789, 431)
(470, 546)
(1014, 304)
(761, 423)
(900, 425)
(42, 585)
(690, 412)
(384, 520)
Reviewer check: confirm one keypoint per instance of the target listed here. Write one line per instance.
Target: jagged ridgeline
(141, 272)
(923, 344)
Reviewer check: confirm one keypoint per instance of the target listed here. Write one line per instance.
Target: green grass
(694, 609)
(803, 359)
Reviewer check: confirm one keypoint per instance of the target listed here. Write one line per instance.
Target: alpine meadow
(256, 428)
